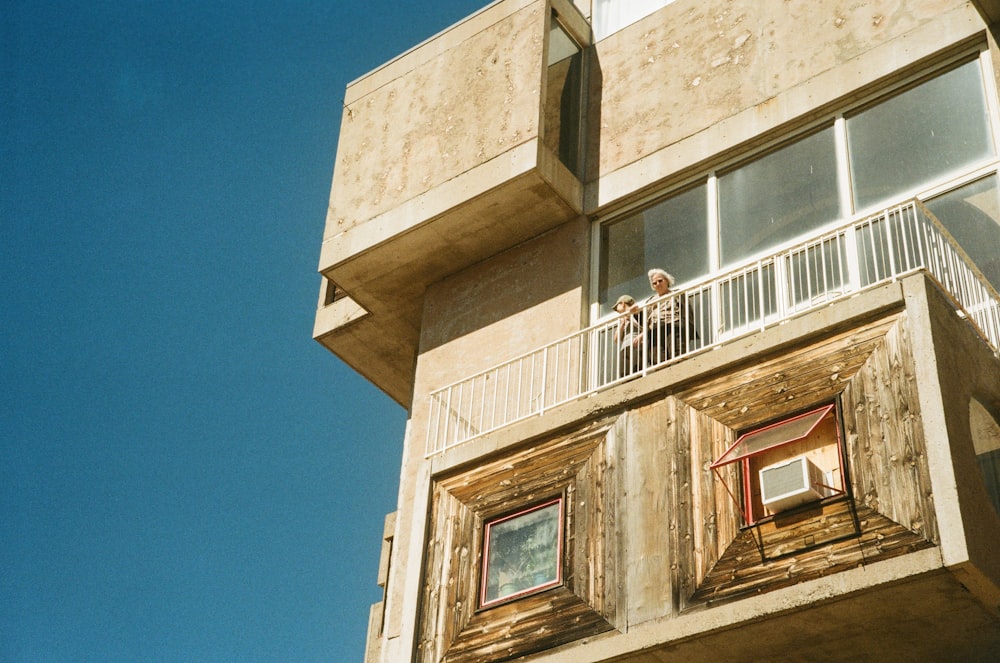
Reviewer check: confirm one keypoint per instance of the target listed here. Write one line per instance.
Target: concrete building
(793, 453)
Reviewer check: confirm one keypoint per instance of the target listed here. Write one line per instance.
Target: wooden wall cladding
(652, 532)
(870, 371)
(885, 437)
(579, 466)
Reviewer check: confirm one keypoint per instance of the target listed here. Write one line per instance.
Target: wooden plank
(526, 627)
(651, 525)
(741, 570)
(795, 378)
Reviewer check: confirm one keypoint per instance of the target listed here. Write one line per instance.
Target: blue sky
(185, 475)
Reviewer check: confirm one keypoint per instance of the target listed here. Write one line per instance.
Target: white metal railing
(859, 255)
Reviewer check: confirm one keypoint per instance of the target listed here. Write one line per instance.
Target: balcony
(766, 292)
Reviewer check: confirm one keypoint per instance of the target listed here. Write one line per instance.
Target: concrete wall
(696, 79)
(958, 366)
(932, 463)
(495, 310)
(438, 111)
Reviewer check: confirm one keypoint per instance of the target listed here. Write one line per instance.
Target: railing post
(890, 245)
(545, 379)
(760, 295)
(853, 260)
(431, 437)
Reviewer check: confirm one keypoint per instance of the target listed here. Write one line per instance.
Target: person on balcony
(629, 328)
(663, 332)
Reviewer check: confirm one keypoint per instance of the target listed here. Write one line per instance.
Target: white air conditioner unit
(791, 483)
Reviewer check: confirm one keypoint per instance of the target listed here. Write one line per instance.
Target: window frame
(751, 462)
(486, 602)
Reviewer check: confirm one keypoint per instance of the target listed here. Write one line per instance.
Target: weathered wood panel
(529, 625)
(742, 571)
(788, 381)
(715, 512)
(651, 529)
(885, 436)
(576, 466)
(870, 369)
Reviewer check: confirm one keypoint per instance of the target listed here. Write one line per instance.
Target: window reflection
(914, 139)
(972, 215)
(986, 440)
(783, 195)
(923, 133)
(671, 235)
(522, 553)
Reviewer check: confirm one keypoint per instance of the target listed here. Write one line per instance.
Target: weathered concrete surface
(430, 120)
(442, 160)
(477, 318)
(696, 79)
(495, 310)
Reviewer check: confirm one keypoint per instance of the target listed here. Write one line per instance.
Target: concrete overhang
(385, 265)
(925, 617)
(459, 172)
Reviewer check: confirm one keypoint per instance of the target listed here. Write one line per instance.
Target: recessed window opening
(331, 293)
(563, 123)
(786, 464)
(522, 553)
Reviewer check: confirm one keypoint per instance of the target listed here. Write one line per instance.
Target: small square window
(786, 464)
(522, 553)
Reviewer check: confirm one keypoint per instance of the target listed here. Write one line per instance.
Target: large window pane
(672, 235)
(972, 215)
(783, 195)
(918, 135)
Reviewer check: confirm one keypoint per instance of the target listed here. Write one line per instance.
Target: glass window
(522, 553)
(778, 197)
(918, 138)
(918, 135)
(671, 235)
(972, 215)
(564, 99)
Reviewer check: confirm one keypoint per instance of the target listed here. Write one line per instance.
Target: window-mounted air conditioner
(790, 483)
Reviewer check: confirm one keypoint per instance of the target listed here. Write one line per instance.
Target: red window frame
(767, 438)
(521, 589)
